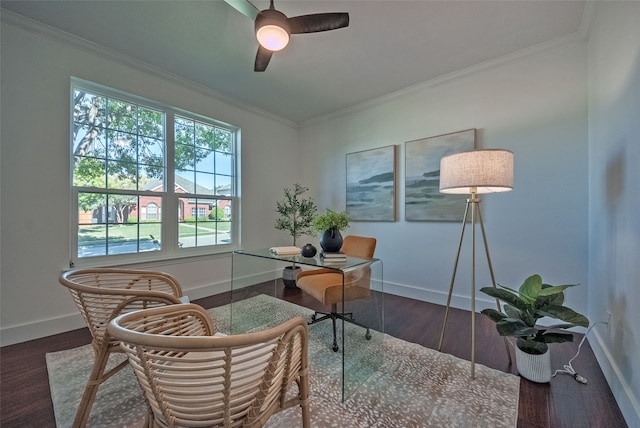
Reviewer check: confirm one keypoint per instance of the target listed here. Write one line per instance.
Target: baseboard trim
(48, 327)
(628, 403)
(438, 297)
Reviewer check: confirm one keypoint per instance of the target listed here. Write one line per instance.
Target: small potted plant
(522, 309)
(329, 225)
(296, 215)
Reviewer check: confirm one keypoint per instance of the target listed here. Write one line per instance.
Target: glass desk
(257, 303)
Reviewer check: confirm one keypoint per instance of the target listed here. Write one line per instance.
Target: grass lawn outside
(119, 233)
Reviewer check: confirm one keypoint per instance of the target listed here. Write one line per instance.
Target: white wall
(614, 227)
(35, 197)
(534, 105)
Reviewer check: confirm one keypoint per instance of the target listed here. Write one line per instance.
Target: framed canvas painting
(371, 184)
(423, 200)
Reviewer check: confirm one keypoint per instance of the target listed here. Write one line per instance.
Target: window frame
(169, 208)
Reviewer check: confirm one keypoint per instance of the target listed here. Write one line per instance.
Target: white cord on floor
(568, 368)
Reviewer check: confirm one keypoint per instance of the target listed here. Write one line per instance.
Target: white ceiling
(389, 44)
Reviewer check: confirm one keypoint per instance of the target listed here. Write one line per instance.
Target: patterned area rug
(393, 383)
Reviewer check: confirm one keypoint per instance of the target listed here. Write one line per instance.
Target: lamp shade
(272, 30)
(477, 171)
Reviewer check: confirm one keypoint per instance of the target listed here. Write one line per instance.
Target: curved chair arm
(107, 279)
(138, 328)
(194, 379)
(103, 293)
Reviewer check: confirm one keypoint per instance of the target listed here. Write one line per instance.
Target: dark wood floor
(26, 402)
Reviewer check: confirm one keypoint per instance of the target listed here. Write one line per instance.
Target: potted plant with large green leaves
(522, 310)
(296, 215)
(329, 225)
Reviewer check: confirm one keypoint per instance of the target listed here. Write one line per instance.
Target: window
(151, 212)
(125, 151)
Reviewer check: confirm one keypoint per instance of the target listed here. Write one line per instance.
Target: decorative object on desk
(296, 217)
(330, 224)
(371, 185)
(474, 172)
(333, 258)
(285, 251)
(309, 251)
(337, 255)
(522, 309)
(296, 213)
(423, 202)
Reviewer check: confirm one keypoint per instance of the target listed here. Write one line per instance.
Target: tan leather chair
(192, 378)
(101, 294)
(325, 284)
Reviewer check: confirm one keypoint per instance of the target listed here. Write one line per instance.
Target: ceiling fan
(273, 28)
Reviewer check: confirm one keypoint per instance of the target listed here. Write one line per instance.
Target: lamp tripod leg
(493, 278)
(453, 277)
(474, 209)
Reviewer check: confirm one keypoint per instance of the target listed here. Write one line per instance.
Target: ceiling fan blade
(262, 59)
(318, 22)
(245, 7)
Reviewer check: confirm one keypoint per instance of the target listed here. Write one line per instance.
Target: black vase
(308, 251)
(331, 240)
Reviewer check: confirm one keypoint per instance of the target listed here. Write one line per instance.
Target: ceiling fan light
(272, 37)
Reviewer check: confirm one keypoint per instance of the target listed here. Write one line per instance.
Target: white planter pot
(536, 368)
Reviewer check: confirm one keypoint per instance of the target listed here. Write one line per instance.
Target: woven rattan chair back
(191, 378)
(101, 294)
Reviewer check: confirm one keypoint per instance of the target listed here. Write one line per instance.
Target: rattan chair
(103, 294)
(191, 378)
(329, 286)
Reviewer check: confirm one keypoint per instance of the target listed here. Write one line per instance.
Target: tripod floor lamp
(474, 172)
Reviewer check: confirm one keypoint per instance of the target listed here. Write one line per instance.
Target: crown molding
(574, 37)
(27, 24)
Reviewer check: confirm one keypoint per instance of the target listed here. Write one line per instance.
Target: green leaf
(553, 299)
(506, 296)
(493, 314)
(559, 326)
(555, 337)
(553, 289)
(296, 212)
(531, 286)
(513, 312)
(565, 314)
(524, 298)
(514, 327)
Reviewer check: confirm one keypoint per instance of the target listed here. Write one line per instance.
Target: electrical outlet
(609, 323)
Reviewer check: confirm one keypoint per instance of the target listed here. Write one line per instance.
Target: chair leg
(335, 338)
(354, 322)
(334, 315)
(303, 390)
(149, 420)
(90, 391)
(96, 378)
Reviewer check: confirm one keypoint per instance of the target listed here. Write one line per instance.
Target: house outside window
(198, 212)
(133, 158)
(152, 212)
